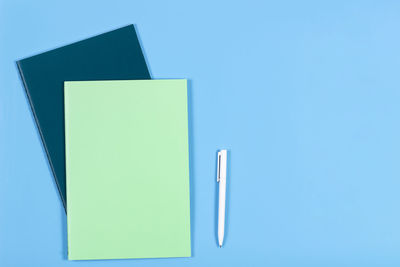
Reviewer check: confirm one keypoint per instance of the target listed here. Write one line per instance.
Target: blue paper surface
(305, 94)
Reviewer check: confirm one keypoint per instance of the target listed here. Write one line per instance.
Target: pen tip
(220, 246)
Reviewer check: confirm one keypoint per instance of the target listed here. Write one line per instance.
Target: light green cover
(127, 169)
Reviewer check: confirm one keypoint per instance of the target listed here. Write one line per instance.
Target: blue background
(305, 95)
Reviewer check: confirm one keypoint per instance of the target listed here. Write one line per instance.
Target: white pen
(221, 178)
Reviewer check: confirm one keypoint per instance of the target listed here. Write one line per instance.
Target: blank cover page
(127, 169)
(115, 55)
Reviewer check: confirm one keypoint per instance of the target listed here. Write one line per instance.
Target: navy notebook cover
(114, 55)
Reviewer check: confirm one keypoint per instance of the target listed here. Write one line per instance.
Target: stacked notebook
(117, 143)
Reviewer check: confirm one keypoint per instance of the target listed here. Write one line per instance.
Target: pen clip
(219, 167)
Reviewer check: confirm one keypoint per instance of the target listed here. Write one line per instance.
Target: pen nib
(220, 246)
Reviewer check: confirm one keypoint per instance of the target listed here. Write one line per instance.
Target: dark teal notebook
(114, 55)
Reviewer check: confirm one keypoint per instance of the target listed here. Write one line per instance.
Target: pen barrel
(221, 210)
(221, 178)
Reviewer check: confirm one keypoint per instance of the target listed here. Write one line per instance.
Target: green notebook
(127, 169)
